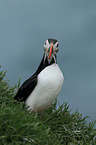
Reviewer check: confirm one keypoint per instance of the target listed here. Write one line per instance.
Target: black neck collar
(44, 64)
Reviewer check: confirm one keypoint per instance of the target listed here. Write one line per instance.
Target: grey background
(24, 27)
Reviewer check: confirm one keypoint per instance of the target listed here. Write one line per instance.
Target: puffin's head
(50, 49)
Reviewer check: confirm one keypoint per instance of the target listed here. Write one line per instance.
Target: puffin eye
(57, 44)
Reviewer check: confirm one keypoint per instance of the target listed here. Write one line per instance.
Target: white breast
(49, 85)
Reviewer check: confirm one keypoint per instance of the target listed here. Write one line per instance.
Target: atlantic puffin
(43, 87)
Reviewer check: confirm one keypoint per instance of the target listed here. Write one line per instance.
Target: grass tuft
(53, 126)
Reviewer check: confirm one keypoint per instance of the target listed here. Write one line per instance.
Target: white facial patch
(55, 47)
(46, 46)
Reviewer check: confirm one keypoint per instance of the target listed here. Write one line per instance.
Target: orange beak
(50, 50)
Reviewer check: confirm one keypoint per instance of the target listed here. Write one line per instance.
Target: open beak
(50, 52)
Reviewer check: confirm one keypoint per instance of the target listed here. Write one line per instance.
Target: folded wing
(26, 89)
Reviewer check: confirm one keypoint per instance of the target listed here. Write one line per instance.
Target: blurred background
(24, 27)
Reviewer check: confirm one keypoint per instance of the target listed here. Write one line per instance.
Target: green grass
(51, 127)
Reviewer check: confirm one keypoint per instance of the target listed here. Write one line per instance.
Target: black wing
(26, 89)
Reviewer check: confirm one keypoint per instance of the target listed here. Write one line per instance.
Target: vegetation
(51, 127)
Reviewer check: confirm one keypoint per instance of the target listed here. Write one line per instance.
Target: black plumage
(28, 86)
